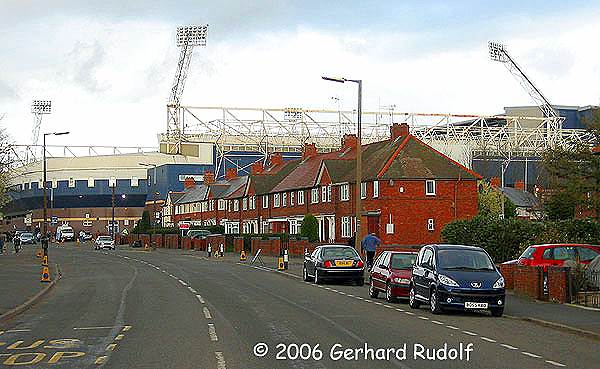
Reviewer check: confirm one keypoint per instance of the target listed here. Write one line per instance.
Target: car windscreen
(464, 259)
(402, 261)
(528, 253)
(104, 238)
(26, 235)
(339, 253)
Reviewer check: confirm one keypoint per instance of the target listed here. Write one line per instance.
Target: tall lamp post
(357, 237)
(44, 180)
(153, 218)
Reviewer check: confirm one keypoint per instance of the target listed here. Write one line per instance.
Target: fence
(584, 286)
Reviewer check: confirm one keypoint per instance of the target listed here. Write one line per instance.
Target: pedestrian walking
(369, 245)
(221, 250)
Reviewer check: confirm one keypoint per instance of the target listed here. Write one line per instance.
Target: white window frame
(245, 203)
(211, 205)
(54, 183)
(252, 202)
(363, 190)
(328, 193)
(87, 223)
(221, 204)
(346, 227)
(427, 183)
(430, 224)
(284, 199)
(276, 200)
(300, 197)
(265, 201)
(375, 189)
(71, 182)
(323, 193)
(135, 181)
(91, 182)
(236, 205)
(292, 194)
(345, 192)
(314, 195)
(126, 222)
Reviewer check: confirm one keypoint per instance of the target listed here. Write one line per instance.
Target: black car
(337, 262)
(456, 277)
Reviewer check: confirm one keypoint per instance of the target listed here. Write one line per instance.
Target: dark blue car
(456, 277)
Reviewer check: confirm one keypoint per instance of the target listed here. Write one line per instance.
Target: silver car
(105, 242)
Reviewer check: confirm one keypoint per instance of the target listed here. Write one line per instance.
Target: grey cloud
(7, 92)
(87, 58)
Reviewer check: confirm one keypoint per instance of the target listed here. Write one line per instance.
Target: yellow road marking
(119, 337)
(126, 328)
(111, 347)
(68, 354)
(100, 360)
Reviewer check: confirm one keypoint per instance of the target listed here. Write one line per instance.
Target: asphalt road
(132, 309)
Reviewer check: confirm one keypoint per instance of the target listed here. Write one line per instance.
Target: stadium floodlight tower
(187, 38)
(499, 53)
(39, 108)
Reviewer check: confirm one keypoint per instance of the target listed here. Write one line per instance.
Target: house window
(228, 205)
(221, 204)
(54, 183)
(112, 182)
(324, 193)
(294, 226)
(375, 189)
(284, 199)
(87, 223)
(300, 197)
(344, 192)
(265, 201)
(291, 198)
(236, 205)
(71, 183)
(430, 187)
(135, 181)
(363, 190)
(314, 195)
(328, 193)
(430, 226)
(252, 202)
(276, 200)
(266, 227)
(211, 205)
(245, 203)
(126, 222)
(91, 182)
(346, 227)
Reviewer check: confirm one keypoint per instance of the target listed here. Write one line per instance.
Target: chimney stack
(349, 141)
(520, 185)
(231, 173)
(257, 168)
(495, 182)
(399, 130)
(209, 177)
(189, 183)
(309, 151)
(275, 159)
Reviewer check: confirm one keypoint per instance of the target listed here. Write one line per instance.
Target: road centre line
(508, 346)
(424, 318)
(200, 299)
(192, 290)
(470, 333)
(452, 327)
(212, 333)
(100, 360)
(182, 282)
(488, 339)
(111, 347)
(554, 363)
(17, 330)
(531, 355)
(119, 337)
(437, 322)
(206, 313)
(220, 360)
(91, 328)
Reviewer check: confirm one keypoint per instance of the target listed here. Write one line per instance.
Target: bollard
(45, 274)
(285, 259)
(221, 250)
(280, 265)
(209, 250)
(45, 261)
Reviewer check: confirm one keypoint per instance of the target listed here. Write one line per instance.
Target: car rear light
(360, 264)
(327, 264)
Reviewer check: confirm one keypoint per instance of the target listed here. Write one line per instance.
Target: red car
(391, 274)
(557, 254)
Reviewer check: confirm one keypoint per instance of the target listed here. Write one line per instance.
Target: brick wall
(528, 281)
(558, 289)
(238, 244)
(508, 271)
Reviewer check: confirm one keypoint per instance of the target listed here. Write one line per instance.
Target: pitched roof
(235, 184)
(194, 194)
(520, 198)
(263, 183)
(175, 196)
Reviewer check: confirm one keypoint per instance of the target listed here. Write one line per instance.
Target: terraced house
(409, 192)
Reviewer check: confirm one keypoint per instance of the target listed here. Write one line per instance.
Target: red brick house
(409, 192)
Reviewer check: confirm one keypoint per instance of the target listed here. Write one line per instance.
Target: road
(135, 309)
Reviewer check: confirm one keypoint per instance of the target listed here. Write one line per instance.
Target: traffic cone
(39, 254)
(146, 248)
(45, 274)
(243, 256)
(45, 261)
(77, 241)
(280, 264)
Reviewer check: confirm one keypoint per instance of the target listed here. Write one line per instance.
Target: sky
(108, 65)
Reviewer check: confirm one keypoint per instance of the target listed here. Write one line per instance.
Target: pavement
(174, 309)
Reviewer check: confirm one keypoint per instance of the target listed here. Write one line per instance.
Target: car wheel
(360, 282)
(497, 312)
(317, 278)
(372, 290)
(412, 299)
(434, 304)
(304, 274)
(388, 293)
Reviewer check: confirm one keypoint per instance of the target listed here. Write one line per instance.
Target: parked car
(105, 242)
(456, 277)
(27, 238)
(337, 262)
(65, 233)
(391, 274)
(556, 254)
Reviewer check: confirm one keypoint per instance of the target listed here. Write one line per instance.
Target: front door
(373, 224)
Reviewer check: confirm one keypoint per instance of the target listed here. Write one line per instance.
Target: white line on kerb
(487, 339)
(200, 299)
(212, 333)
(220, 360)
(554, 363)
(206, 313)
(508, 346)
(530, 354)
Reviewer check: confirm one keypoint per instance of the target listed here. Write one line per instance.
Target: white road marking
(350, 295)
(452, 327)
(212, 333)
(378, 303)
(409, 313)
(200, 299)
(531, 355)
(401, 310)
(424, 318)
(125, 257)
(206, 313)
(341, 293)
(91, 328)
(360, 298)
(119, 337)
(508, 346)
(192, 290)
(388, 306)
(126, 328)
(554, 363)
(111, 347)
(487, 339)
(18, 330)
(220, 360)
(470, 333)
(437, 322)
(100, 360)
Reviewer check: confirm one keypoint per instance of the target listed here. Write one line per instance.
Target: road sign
(184, 226)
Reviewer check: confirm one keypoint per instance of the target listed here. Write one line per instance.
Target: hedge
(507, 239)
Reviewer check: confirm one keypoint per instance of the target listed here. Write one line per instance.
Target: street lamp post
(44, 180)
(358, 206)
(153, 218)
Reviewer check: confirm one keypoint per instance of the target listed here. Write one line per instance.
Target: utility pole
(112, 224)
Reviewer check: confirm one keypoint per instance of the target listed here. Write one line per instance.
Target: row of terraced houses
(409, 192)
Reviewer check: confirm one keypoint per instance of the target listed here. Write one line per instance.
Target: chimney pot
(231, 173)
(520, 185)
(209, 177)
(349, 141)
(399, 130)
(257, 168)
(309, 151)
(189, 183)
(275, 159)
(495, 182)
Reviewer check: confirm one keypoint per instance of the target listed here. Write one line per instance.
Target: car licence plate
(344, 263)
(476, 305)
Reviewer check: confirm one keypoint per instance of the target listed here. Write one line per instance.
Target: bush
(143, 225)
(507, 239)
(213, 229)
(310, 228)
